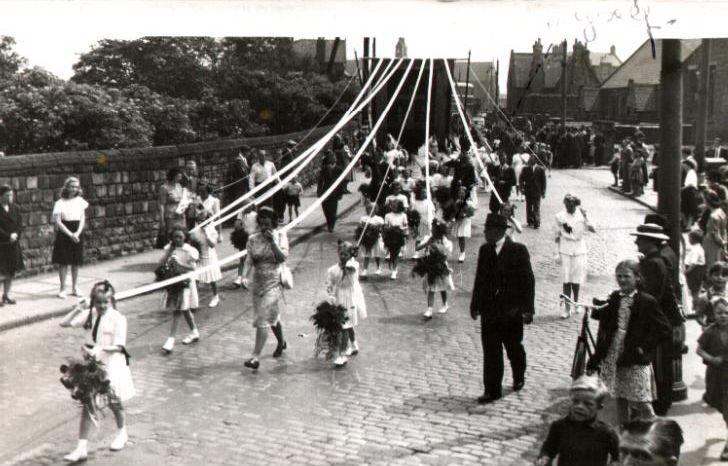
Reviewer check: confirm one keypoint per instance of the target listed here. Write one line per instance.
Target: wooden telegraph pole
(701, 125)
(467, 85)
(564, 46)
(668, 198)
(497, 85)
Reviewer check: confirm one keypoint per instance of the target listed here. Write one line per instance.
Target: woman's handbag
(286, 276)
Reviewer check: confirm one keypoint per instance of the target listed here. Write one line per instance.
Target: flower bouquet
(432, 265)
(413, 220)
(86, 380)
(328, 320)
(370, 237)
(171, 269)
(393, 237)
(239, 238)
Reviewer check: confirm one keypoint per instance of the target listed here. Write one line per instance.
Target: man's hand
(527, 318)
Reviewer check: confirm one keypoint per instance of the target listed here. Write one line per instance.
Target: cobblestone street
(407, 398)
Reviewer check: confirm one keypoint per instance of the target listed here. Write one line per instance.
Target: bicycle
(585, 343)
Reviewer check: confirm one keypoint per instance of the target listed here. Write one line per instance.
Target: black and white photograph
(387, 232)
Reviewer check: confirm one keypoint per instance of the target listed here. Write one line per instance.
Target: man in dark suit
(503, 296)
(533, 185)
(717, 150)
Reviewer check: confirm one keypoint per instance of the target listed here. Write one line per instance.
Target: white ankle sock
(82, 445)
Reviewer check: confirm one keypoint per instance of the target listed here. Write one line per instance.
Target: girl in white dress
(107, 344)
(437, 241)
(343, 288)
(372, 221)
(519, 161)
(206, 237)
(211, 205)
(464, 211)
(397, 218)
(183, 256)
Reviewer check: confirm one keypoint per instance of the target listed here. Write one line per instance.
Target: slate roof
(644, 69)
(521, 63)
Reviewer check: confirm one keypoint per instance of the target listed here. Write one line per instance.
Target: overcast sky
(52, 34)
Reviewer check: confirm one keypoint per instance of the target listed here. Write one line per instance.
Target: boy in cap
(580, 439)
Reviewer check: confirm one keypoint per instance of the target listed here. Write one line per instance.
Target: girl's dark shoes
(7, 300)
(279, 350)
(252, 363)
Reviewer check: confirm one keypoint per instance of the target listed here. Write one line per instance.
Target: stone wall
(122, 188)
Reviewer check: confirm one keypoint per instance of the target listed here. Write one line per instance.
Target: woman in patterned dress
(631, 325)
(267, 251)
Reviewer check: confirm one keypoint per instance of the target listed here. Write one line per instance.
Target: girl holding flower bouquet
(394, 234)
(464, 211)
(343, 288)
(370, 232)
(433, 266)
(107, 344)
(179, 258)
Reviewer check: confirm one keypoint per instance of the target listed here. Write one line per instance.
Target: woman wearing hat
(571, 226)
(715, 231)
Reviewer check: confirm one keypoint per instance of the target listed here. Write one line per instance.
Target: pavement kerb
(635, 199)
(50, 314)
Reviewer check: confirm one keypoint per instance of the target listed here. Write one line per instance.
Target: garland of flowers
(432, 265)
(371, 235)
(328, 321)
(413, 220)
(171, 269)
(393, 237)
(86, 380)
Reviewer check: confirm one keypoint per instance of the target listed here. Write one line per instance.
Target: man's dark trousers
(495, 336)
(533, 210)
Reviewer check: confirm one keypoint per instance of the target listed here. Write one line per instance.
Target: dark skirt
(293, 200)
(11, 259)
(65, 251)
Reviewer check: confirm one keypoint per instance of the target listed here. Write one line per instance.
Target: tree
(10, 61)
(173, 66)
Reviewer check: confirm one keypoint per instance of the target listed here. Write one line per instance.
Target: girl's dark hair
(99, 287)
(666, 435)
(177, 228)
(266, 212)
(5, 188)
(439, 228)
(172, 173)
(420, 190)
(398, 204)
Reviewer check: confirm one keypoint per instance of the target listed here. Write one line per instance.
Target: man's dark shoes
(486, 398)
(518, 385)
(279, 350)
(252, 363)
(7, 300)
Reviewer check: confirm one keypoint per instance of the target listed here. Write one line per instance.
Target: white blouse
(186, 256)
(70, 209)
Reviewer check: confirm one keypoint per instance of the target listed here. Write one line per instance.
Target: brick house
(319, 51)
(632, 93)
(535, 79)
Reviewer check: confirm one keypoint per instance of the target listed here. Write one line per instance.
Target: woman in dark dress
(11, 256)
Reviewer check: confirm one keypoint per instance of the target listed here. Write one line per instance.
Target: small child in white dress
(107, 344)
(442, 283)
(207, 237)
(424, 207)
(183, 256)
(343, 288)
(397, 218)
(374, 222)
